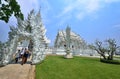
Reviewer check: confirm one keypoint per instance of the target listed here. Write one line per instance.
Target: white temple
(77, 45)
(76, 42)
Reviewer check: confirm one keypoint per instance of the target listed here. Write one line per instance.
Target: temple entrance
(24, 44)
(33, 30)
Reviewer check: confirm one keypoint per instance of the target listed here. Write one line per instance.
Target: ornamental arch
(30, 29)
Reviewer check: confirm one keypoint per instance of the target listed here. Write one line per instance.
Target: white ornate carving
(31, 29)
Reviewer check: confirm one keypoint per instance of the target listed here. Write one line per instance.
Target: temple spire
(38, 16)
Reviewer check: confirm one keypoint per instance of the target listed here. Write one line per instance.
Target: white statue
(68, 41)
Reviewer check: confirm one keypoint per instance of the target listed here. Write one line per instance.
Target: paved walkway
(17, 71)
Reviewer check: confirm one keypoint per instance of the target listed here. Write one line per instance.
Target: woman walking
(25, 56)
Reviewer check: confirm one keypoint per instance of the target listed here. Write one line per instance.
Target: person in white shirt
(22, 52)
(17, 56)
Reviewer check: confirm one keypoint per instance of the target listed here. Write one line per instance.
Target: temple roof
(73, 35)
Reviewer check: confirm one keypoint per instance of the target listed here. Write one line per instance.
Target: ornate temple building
(76, 42)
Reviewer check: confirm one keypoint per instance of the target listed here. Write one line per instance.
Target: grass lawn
(56, 67)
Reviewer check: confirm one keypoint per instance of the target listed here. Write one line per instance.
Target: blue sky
(91, 19)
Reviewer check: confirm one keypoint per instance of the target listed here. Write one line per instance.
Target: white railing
(61, 51)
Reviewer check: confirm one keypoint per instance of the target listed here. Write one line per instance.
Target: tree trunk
(110, 57)
(103, 56)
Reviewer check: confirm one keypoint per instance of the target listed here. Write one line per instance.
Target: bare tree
(103, 50)
(99, 48)
(112, 47)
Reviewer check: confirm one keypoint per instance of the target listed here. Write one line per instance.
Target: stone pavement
(17, 71)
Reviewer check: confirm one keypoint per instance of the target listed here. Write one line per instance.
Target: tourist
(29, 54)
(17, 55)
(25, 55)
(22, 52)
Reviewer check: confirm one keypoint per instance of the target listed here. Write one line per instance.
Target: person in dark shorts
(25, 56)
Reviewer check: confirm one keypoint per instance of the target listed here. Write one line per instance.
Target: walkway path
(17, 71)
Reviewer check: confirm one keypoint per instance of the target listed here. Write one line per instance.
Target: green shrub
(110, 61)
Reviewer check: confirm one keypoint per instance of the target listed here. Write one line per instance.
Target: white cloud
(66, 10)
(92, 5)
(80, 16)
(79, 8)
(117, 26)
(82, 8)
(111, 1)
